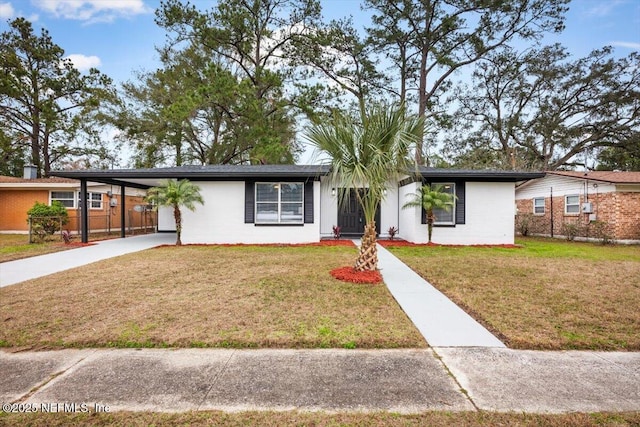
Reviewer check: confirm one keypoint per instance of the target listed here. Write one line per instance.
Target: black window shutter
(249, 202)
(460, 202)
(308, 202)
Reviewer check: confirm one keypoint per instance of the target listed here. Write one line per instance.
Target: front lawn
(17, 246)
(548, 294)
(292, 418)
(206, 296)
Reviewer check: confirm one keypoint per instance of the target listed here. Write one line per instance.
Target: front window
(446, 216)
(67, 198)
(279, 202)
(538, 206)
(572, 204)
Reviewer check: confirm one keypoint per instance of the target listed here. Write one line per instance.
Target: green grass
(554, 248)
(17, 246)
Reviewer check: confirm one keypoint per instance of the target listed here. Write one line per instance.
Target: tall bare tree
(541, 109)
(430, 40)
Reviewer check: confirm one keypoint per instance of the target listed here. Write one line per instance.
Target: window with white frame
(446, 216)
(67, 198)
(572, 204)
(94, 199)
(279, 202)
(538, 205)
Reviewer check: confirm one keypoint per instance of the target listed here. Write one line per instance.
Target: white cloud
(604, 8)
(93, 10)
(83, 62)
(6, 11)
(630, 45)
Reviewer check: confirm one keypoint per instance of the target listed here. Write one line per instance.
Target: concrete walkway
(439, 320)
(404, 381)
(30, 268)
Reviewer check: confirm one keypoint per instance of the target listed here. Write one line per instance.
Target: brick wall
(14, 205)
(617, 215)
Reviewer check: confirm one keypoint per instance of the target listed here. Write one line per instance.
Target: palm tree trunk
(368, 256)
(430, 220)
(177, 215)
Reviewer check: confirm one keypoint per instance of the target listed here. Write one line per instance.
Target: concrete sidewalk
(403, 381)
(13, 272)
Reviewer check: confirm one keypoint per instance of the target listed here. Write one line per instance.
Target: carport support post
(122, 212)
(84, 212)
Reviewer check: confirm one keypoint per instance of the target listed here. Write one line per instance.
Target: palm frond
(368, 154)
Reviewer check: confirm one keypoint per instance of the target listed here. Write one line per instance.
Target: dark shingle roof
(201, 172)
(481, 175)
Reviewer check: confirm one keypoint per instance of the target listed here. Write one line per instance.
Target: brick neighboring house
(18, 195)
(588, 204)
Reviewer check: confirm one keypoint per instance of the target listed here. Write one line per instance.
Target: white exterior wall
(562, 186)
(389, 211)
(409, 219)
(489, 217)
(221, 219)
(328, 208)
(166, 222)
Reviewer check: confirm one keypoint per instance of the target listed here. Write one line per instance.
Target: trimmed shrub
(46, 220)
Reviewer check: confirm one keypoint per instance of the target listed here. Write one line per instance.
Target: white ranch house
(297, 204)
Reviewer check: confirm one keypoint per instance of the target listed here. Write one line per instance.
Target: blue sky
(119, 36)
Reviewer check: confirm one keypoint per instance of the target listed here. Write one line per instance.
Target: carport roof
(145, 178)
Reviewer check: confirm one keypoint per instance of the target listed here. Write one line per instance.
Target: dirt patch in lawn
(587, 298)
(198, 296)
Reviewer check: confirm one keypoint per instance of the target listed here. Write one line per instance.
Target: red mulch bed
(275, 245)
(349, 274)
(404, 243)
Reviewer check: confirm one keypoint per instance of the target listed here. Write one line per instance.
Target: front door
(350, 215)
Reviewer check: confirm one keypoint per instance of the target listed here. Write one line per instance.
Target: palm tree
(430, 199)
(370, 153)
(175, 194)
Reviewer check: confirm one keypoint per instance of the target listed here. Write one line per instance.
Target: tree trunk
(430, 221)
(368, 256)
(177, 215)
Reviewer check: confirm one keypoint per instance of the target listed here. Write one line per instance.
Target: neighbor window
(95, 200)
(538, 206)
(67, 198)
(572, 204)
(279, 202)
(446, 216)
